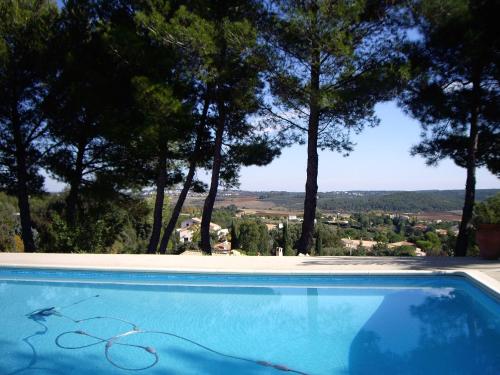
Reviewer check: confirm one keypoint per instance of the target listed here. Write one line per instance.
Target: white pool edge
(478, 278)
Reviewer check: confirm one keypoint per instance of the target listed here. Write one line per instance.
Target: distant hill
(393, 201)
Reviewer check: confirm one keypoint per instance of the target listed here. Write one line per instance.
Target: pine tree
(233, 57)
(455, 92)
(235, 242)
(225, 61)
(26, 29)
(335, 61)
(86, 89)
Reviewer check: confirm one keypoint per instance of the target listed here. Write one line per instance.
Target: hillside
(391, 201)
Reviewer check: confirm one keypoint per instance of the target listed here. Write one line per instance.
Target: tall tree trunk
(76, 180)
(161, 182)
(22, 183)
(305, 242)
(470, 184)
(167, 233)
(208, 207)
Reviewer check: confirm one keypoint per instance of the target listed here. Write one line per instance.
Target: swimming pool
(84, 322)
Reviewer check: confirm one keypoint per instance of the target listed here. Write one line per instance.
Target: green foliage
(380, 249)
(327, 78)
(235, 241)
(9, 223)
(488, 212)
(335, 251)
(254, 237)
(454, 90)
(26, 28)
(224, 216)
(365, 201)
(448, 246)
(119, 225)
(454, 74)
(330, 237)
(313, 35)
(395, 237)
(360, 251)
(381, 237)
(318, 247)
(286, 243)
(404, 251)
(188, 246)
(431, 244)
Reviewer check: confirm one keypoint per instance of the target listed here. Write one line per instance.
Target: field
(429, 205)
(444, 216)
(252, 205)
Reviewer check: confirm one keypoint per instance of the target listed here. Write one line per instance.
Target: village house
(190, 226)
(222, 247)
(270, 227)
(190, 222)
(185, 235)
(353, 244)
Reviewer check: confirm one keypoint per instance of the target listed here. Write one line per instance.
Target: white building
(223, 247)
(223, 232)
(185, 235)
(214, 227)
(189, 226)
(190, 222)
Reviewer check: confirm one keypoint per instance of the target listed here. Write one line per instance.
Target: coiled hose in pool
(41, 314)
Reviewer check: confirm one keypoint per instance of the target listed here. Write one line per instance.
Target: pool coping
(486, 283)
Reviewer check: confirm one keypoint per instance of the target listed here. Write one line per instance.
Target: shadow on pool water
(444, 334)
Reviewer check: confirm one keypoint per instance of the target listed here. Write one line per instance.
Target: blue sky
(380, 161)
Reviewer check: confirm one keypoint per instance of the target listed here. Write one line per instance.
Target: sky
(381, 160)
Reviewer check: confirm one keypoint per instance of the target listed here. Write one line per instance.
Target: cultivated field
(253, 205)
(444, 216)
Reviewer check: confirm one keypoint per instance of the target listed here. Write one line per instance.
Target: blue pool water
(76, 322)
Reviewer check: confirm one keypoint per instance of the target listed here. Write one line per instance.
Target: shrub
(405, 251)
(488, 212)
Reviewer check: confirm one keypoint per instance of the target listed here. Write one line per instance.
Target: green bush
(360, 251)
(488, 212)
(9, 223)
(405, 251)
(335, 251)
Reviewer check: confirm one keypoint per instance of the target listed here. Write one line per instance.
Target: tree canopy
(334, 62)
(455, 91)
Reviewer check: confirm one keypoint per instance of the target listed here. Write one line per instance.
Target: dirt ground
(445, 216)
(252, 203)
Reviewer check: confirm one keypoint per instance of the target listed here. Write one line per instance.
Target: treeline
(393, 202)
(110, 97)
(398, 201)
(418, 201)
